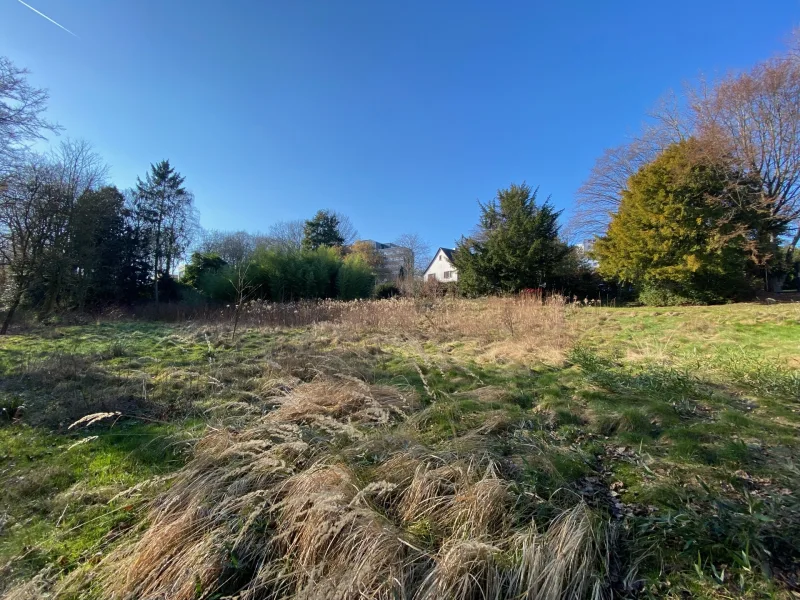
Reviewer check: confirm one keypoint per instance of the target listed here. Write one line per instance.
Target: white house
(441, 267)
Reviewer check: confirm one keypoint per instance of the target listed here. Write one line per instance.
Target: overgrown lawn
(671, 434)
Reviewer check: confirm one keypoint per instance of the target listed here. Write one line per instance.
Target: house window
(440, 257)
(448, 274)
(432, 277)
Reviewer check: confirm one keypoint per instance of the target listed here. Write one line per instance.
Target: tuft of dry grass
(340, 546)
(561, 563)
(333, 399)
(468, 570)
(482, 509)
(249, 500)
(431, 491)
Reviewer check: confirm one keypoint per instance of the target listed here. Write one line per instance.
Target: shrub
(662, 295)
(290, 275)
(354, 279)
(437, 289)
(681, 225)
(384, 291)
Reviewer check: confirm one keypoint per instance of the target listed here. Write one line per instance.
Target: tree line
(70, 239)
(314, 259)
(704, 204)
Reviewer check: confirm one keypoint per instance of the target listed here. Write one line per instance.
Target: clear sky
(399, 114)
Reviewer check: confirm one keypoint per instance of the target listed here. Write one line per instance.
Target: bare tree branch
(21, 119)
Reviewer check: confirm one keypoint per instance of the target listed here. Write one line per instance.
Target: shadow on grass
(62, 388)
(718, 470)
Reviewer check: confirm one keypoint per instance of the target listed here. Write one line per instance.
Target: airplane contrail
(41, 14)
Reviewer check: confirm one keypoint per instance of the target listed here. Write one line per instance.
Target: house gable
(441, 266)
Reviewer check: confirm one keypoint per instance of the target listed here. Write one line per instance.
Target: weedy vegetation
(419, 449)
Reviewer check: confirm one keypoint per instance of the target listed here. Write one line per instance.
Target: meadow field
(405, 449)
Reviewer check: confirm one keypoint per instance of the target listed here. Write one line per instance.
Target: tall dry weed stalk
(515, 326)
(525, 319)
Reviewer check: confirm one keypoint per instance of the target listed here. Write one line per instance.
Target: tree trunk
(236, 314)
(11, 310)
(157, 253)
(155, 277)
(790, 258)
(54, 290)
(775, 282)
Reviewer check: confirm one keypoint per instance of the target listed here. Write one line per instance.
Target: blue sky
(399, 114)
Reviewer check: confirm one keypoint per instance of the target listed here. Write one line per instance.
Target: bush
(288, 276)
(667, 232)
(169, 289)
(384, 291)
(201, 265)
(436, 289)
(665, 293)
(662, 295)
(355, 279)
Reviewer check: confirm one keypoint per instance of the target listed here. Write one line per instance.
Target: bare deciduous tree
(21, 114)
(78, 169)
(30, 206)
(754, 117)
(244, 288)
(598, 198)
(234, 247)
(285, 235)
(346, 228)
(420, 252)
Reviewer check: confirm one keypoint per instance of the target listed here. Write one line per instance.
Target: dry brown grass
(504, 327)
(259, 497)
(508, 328)
(562, 562)
(270, 506)
(271, 511)
(341, 546)
(333, 400)
(468, 570)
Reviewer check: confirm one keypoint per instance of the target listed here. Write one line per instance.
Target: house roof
(448, 252)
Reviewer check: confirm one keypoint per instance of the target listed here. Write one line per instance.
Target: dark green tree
(135, 276)
(322, 230)
(516, 245)
(168, 210)
(685, 229)
(99, 247)
(201, 265)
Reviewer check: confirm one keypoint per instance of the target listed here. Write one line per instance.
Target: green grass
(690, 416)
(57, 489)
